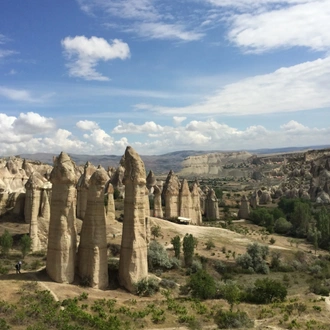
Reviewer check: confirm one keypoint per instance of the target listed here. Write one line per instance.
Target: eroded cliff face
(214, 164)
(133, 265)
(62, 239)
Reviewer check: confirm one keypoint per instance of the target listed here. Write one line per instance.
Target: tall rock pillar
(158, 210)
(62, 239)
(185, 205)
(196, 213)
(133, 265)
(211, 205)
(92, 253)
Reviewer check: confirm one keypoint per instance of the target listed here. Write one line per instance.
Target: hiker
(18, 267)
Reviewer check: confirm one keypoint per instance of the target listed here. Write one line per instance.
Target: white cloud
(178, 120)
(288, 89)
(5, 52)
(305, 24)
(146, 18)
(33, 123)
(160, 30)
(152, 138)
(84, 54)
(21, 95)
(130, 128)
(87, 125)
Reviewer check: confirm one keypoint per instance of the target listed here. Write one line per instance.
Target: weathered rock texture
(62, 239)
(196, 214)
(244, 209)
(36, 210)
(92, 252)
(158, 210)
(185, 204)
(146, 203)
(133, 265)
(110, 207)
(254, 200)
(82, 189)
(211, 205)
(171, 195)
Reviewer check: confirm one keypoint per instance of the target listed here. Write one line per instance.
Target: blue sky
(93, 76)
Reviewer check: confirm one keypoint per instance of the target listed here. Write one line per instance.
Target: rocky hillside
(217, 164)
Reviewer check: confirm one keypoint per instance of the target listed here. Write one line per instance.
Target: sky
(94, 76)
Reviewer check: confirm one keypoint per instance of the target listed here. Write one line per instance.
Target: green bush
(176, 242)
(232, 320)
(158, 257)
(282, 226)
(25, 245)
(266, 291)
(6, 242)
(147, 287)
(202, 285)
(189, 244)
(209, 244)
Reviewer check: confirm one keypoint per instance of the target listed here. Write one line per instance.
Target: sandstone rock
(171, 195)
(82, 189)
(117, 180)
(185, 204)
(196, 213)
(92, 252)
(146, 203)
(36, 199)
(133, 265)
(151, 180)
(110, 207)
(244, 210)
(254, 200)
(211, 205)
(265, 198)
(158, 210)
(62, 240)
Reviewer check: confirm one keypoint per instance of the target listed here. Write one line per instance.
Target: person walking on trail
(18, 267)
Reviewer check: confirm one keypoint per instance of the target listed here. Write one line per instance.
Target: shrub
(209, 244)
(266, 291)
(232, 320)
(254, 258)
(6, 242)
(167, 284)
(147, 287)
(231, 292)
(188, 249)
(156, 231)
(202, 285)
(220, 267)
(25, 245)
(282, 226)
(158, 257)
(176, 242)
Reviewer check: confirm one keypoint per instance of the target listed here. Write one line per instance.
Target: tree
(176, 242)
(266, 291)
(156, 231)
(219, 193)
(323, 226)
(6, 242)
(25, 245)
(301, 218)
(188, 249)
(202, 285)
(263, 217)
(282, 226)
(232, 293)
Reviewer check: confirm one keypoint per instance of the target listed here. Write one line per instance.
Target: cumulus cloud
(84, 54)
(33, 123)
(87, 125)
(130, 128)
(150, 137)
(288, 89)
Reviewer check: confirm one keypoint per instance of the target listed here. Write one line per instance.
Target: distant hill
(160, 164)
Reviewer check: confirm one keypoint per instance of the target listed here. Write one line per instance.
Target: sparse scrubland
(271, 271)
